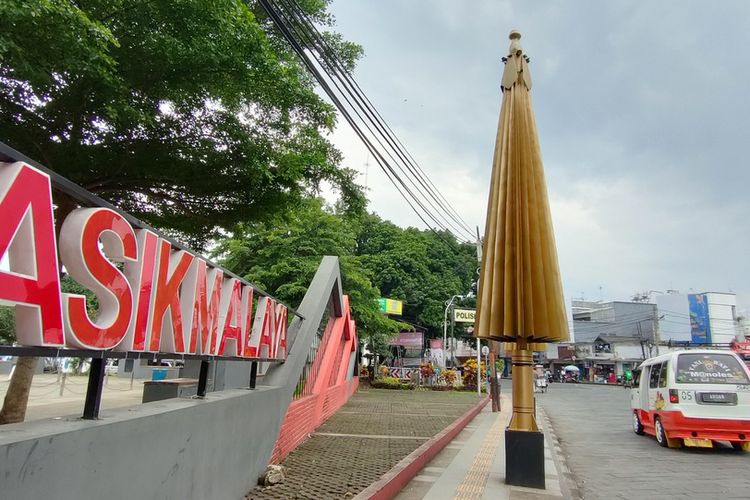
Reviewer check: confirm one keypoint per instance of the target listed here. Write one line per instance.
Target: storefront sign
(159, 299)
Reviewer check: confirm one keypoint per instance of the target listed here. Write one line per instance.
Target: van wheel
(661, 435)
(637, 425)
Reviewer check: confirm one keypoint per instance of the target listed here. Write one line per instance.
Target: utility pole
(480, 375)
(453, 336)
(640, 336)
(657, 336)
(494, 388)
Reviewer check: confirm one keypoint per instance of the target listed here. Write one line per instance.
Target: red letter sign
(201, 295)
(140, 274)
(166, 296)
(80, 253)
(231, 295)
(27, 235)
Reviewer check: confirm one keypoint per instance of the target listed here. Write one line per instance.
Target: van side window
(663, 374)
(653, 381)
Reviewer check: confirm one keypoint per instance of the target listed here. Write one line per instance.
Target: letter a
(27, 235)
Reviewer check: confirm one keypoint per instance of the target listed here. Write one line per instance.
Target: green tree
(378, 259)
(190, 114)
(185, 113)
(7, 326)
(421, 268)
(281, 256)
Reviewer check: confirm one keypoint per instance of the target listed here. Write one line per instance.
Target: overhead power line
(419, 192)
(310, 31)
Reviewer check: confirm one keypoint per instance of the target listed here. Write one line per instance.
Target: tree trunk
(17, 397)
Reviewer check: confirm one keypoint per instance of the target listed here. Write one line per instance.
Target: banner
(700, 326)
(437, 356)
(412, 340)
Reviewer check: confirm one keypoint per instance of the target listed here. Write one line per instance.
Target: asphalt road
(608, 460)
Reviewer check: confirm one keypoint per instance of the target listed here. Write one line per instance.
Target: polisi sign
(464, 315)
(160, 299)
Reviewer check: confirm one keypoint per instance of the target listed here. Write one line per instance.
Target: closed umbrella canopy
(520, 292)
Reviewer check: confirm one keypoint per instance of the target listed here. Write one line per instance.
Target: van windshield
(710, 369)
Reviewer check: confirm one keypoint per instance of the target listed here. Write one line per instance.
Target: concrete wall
(180, 449)
(674, 317)
(140, 369)
(629, 351)
(222, 375)
(721, 315)
(626, 319)
(723, 309)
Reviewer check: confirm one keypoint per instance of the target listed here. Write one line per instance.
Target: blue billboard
(700, 328)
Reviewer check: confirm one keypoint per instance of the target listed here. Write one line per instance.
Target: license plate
(719, 397)
(698, 443)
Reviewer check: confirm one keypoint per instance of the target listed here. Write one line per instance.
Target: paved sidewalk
(472, 466)
(364, 440)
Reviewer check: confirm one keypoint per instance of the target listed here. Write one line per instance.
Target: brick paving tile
(327, 466)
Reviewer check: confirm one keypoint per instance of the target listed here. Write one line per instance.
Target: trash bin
(159, 374)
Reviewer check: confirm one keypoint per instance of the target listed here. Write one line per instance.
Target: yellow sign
(390, 306)
(464, 315)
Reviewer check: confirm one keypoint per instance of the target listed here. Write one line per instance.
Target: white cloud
(642, 117)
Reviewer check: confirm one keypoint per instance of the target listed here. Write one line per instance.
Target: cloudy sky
(643, 114)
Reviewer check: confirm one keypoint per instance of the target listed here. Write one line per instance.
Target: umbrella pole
(524, 443)
(523, 418)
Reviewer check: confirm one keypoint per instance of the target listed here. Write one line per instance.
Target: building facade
(700, 318)
(616, 318)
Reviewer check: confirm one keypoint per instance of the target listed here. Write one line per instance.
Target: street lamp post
(448, 305)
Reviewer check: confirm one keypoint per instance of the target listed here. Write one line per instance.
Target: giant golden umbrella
(520, 293)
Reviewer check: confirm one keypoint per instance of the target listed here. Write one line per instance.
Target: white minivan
(693, 397)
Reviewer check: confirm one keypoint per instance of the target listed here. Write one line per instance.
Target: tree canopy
(378, 259)
(422, 268)
(190, 114)
(281, 256)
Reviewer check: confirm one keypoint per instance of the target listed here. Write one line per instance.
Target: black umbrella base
(524, 458)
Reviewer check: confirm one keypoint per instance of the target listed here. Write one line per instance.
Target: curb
(404, 471)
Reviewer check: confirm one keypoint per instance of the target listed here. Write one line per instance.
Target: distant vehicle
(112, 367)
(171, 363)
(742, 349)
(693, 398)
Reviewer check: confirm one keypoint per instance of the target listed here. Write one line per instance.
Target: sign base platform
(524, 458)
